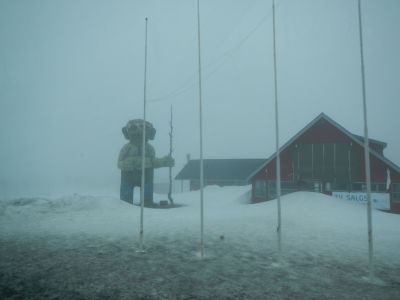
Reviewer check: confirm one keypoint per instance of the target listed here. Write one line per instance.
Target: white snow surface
(324, 242)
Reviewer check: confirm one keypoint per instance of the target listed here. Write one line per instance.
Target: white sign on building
(379, 200)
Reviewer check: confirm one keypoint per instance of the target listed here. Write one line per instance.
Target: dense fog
(71, 75)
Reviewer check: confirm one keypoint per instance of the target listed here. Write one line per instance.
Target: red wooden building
(325, 157)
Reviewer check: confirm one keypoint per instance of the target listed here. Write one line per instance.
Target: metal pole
(143, 141)
(278, 161)
(201, 137)
(171, 200)
(366, 148)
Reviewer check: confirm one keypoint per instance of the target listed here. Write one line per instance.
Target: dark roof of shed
(372, 141)
(220, 169)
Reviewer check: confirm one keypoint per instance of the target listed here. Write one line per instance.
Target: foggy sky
(71, 75)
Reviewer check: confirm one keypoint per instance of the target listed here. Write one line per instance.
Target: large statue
(130, 161)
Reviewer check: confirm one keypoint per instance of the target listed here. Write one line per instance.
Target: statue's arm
(129, 159)
(166, 161)
(162, 162)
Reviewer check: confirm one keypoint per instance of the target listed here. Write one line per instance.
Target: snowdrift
(84, 247)
(310, 221)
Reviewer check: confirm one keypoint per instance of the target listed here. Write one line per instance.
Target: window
(325, 162)
(260, 189)
(288, 187)
(341, 186)
(318, 161)
(396, 192)
(272, 189)
(378, 187)
(358, 187)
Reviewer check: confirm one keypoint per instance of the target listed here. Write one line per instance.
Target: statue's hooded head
(134, 129)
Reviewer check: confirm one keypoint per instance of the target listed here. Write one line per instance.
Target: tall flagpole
(171, 128)
(366, 148)
(143, 141)
(278, 161)
(201, 137)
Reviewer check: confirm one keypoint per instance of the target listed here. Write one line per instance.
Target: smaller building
(325, 157)
(221, 172)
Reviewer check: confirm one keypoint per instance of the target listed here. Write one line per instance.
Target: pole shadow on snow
(160, 205)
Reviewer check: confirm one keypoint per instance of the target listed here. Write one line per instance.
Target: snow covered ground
(84, 247)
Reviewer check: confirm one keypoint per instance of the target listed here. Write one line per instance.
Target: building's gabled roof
(356, 139)
(220, 169)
